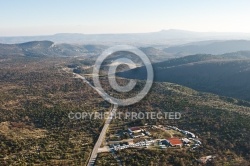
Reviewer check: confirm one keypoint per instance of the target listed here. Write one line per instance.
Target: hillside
(155, 53)
(36, 98)
(48, 49)
(51, 49)
(226, 74)
(218, 121)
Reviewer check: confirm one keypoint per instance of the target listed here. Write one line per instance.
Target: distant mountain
(209, 47)
(164, 37)
(48, 48)
(155, 53)
(227, 74)
(35, 48)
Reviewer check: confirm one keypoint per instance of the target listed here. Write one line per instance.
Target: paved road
(101, 137)
(93, 156)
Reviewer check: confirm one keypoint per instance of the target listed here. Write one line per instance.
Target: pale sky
(46, 17)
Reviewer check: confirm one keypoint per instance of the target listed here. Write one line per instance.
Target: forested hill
(227, 74)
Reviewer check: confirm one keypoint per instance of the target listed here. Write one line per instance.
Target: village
(153, 137)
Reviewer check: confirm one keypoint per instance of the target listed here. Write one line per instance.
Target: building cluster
(137, 132)
(145, 143)
(187, 133)
(190, 140)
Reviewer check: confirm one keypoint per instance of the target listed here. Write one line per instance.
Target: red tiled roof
(174, 141)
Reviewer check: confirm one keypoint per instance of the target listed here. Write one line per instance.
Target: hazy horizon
(35, 18)
(110, 33)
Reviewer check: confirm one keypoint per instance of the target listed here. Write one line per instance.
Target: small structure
(189, 134)
(162, 146)
(135, 129)
(175, 142)
(192, 135)
(185, 140)
(138, 135)
(165, 142)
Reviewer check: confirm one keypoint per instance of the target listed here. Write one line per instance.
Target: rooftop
(135, 128)
(174, 141)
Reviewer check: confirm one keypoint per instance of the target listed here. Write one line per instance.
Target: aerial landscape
(128, 83)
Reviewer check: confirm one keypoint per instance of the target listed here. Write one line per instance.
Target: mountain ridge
(169, 37)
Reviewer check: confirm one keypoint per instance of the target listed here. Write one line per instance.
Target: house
(164, 142)
(175, 142)
(185, 140)
(138, 135)
(135, 129)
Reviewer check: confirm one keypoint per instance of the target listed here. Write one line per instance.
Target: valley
(42, 94)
